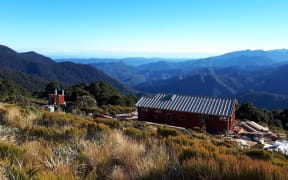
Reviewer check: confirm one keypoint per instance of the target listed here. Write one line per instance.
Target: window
(181, 118)
(223, 118)
(169, 116)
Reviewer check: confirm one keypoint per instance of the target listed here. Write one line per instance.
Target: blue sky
(112, 28)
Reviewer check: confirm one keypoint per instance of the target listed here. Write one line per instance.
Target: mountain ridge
(67, 73)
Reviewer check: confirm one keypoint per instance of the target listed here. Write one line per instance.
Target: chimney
(55, 91)
(63, 92)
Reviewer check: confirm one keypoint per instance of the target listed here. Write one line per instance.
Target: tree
(86, 101)
(277, 117)
(245, 111)
(131, 100)
(103, 92)
(50, 88)
(116, 100)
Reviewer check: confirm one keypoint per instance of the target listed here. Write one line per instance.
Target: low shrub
(84, 166)
(231, 167)
(277, 154)
(199, 135)
(140, 125)
(55, 119)
(117, 109)
(113, 123)
(258, 146)
(50, 134)
(3, 116)
(95, 130)
(15, 173)
(259, 154)
(73, 133)
(187, 154)
(221, 142)
(279, 161)
(164, 131)
(92, 109)
(60, 120)
(182, 140)
(12, 172)
(201, 169)
(192, 152)
(34, 152)
(11, 152)
(134, 133)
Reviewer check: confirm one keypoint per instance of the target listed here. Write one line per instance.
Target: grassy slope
(45, 145)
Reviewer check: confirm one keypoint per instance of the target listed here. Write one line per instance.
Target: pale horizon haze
(143, 28)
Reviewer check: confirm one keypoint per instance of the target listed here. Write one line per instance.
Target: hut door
(202, 121)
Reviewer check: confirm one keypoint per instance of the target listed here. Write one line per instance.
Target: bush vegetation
(65, 146)
(276, 119)
(99, 93)
(11, 152)
(165, 131)
(112, 123)
(259, 154)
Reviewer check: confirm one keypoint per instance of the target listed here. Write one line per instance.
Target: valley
(246, 75)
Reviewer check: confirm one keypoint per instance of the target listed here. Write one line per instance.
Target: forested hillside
(42, 67)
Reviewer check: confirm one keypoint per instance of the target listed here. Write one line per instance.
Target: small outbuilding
(57, 99)
(215, 114)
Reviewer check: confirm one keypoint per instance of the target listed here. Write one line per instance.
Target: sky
(148, 28)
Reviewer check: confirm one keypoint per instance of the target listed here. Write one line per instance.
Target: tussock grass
(165, 131)
(65, 146)
(140, 135)
(112, 123)
(230, 167)
(117, 109)
(14, 116)
(11, 152)
(121, 155)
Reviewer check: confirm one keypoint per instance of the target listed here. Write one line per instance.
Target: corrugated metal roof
(194, 104)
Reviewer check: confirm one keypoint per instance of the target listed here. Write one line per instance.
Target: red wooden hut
(213, 113)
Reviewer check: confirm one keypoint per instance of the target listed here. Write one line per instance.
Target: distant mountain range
(242, 74)
(255, 76)
(39, 69)
(228, 82)
(242, 59)
(133, 61)
(245, 60)
(133, 75)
